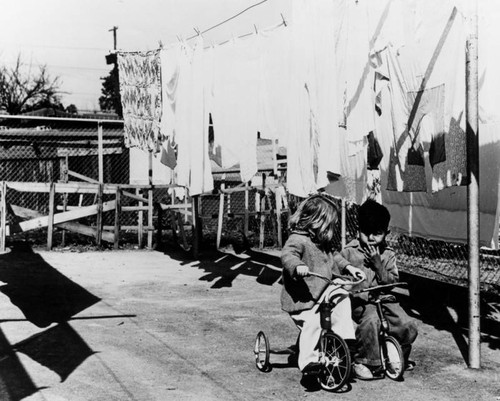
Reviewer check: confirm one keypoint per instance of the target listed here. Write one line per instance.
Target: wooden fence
(66, 216)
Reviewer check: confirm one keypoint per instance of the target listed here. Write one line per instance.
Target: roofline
(23, 117)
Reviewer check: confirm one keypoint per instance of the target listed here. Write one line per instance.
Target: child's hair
(373, 217)
(317, 215)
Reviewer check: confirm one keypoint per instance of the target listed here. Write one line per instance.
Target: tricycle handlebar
(338, 280)
(382, 287)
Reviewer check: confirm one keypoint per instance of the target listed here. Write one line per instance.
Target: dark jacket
(386, 274)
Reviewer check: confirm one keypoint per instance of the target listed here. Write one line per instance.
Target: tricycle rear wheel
(262, 351)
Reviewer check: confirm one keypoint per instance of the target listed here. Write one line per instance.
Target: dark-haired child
(371, 254)
(309, 248)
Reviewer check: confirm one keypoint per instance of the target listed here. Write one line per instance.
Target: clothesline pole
(472, 134)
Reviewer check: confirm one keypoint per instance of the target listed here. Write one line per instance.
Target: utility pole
(114, 29)
(111, 58)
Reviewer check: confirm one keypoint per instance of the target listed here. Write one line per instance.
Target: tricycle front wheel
(392, 358)
(336, 361)
(262, 351)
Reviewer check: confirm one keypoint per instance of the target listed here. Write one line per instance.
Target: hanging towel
(140, 89)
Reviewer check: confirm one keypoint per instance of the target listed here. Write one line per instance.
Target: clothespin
(283, 18)
(256, 31)
(178, 38)
(160, 44)
(197, 31)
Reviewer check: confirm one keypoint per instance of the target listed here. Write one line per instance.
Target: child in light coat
(309, 248)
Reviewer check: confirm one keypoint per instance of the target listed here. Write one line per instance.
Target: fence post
(100, 152)
(64, 167)
(262, 212)
(245, 218)
(221, 211)
(118, 210)
(50, 223)
(196, 225)
(3, 217)
(99, 214)
(343, 219)
(150, 200)
(159, 223)
(140, 220)
(277, 197)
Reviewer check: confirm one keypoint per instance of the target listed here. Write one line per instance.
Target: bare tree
(22, 89)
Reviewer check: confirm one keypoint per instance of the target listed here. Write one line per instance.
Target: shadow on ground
(45, 297)
(446, 307)
(223, 267)
(441, 305)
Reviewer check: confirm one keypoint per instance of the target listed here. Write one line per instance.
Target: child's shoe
(409, 365)
(313, 368)
(362, 372)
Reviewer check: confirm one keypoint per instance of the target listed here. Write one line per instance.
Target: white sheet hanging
(312, 144)
(189, 118)
(235, 103)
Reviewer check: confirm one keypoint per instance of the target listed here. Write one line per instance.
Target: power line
(62, 66)
(227, 20)
(62, 47)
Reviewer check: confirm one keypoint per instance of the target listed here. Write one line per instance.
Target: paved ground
(147, 325)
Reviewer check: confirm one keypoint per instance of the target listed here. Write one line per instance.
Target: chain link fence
(249, 215)
(46, 150)
(437, 260)
(42, 150)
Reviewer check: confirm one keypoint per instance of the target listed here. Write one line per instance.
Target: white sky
(72, 37)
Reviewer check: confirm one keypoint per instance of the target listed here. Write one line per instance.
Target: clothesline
(226, 20)
(251, 33)
(152, 52)
(198, 32)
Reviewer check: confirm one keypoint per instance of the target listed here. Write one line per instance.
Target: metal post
(100, 151)
(472, 133)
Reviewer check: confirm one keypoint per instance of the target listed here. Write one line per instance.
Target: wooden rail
(64, 216)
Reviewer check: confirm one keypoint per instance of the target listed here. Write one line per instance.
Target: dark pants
(401, 326)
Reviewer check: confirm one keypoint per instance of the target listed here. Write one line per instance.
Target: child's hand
(356, 272)
(302, 270)
(372, 255)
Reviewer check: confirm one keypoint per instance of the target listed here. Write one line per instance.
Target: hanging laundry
(168, 154)
(374, 152)
(140, 90)
(237, 76)
(356, 73)
(190, 117)
(313, 145)
(170, 71)
(426, 121)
